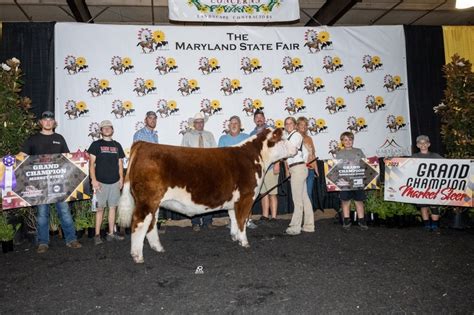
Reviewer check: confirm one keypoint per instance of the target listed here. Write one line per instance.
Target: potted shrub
(389, 212)
(28, 216)
(54, 222)
(456, 111)
(7, 233)
(81, 217)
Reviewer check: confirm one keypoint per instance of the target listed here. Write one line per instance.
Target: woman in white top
(303, 216)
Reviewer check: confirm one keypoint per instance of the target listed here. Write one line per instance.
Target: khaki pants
(303, 208)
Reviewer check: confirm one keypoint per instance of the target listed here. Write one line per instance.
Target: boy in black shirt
(106, 172)
(49, 142)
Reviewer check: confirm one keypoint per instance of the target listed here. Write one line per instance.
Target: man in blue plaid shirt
(147, 133)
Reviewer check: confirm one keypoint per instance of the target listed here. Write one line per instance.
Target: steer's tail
(126, 203)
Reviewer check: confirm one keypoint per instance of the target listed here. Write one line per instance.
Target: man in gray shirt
(199, 138)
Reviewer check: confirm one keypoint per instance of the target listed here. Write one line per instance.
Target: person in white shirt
(199, 138)
(303, 216)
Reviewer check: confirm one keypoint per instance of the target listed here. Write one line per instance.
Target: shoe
(347, 226)
(251, 225)
(97, 240)
(435, 230)
(363, 226)
(42, 248)
(114, 237)
(307, 231)
(427, 228)
(291, 232)
(196, 228)
(74, 244)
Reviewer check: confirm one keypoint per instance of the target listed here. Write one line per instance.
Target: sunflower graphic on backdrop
(317, 41)
(334, 147)
(121, 65)
(373, 103)
(352, 84)
(98, 87)
(250, 106)
(334, 105)
(207, 66)
(165, 65)
(250, 65)
(395, 123)
(74, 64)
(291, 65)
(316, 126)
(331, 64)
(392, 83)
(209, 107)
(159, 39)
(293, 106)
(371, 63)
(279, 123)
(75, 109)
(120, 108)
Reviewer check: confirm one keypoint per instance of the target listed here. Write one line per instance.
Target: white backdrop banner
(340, 78)
(234, 11)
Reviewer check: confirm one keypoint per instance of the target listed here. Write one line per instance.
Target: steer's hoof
(138, 259)
(245, 245)
(234, 237)
(158, 249)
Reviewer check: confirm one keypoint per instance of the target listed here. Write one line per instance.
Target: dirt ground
(381, 270)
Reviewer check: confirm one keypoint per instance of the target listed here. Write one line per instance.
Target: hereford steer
(195, 181)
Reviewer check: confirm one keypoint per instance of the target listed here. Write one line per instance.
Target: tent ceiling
(335, 12)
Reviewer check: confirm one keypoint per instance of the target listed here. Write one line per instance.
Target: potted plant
(456, 111)
(81, 217)
(54, 222)
(28, 215)
(389, 212)
(7, 233)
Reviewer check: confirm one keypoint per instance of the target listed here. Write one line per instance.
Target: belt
(294, 164)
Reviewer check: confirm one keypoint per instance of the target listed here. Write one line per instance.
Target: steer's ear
(277, 134)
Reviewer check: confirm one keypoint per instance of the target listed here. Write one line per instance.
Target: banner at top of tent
(234, 11)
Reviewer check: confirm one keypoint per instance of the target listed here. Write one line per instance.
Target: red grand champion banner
(45, 179)
(429, 181)
(357, 174)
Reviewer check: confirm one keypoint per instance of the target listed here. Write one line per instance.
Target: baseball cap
(47, 115)
(150, 113)
(106, 123)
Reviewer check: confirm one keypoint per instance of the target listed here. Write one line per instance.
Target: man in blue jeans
(49, 142)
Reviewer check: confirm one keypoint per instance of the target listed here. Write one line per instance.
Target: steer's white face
(282, 150)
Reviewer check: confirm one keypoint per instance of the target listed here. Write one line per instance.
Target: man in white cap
(49, 142)
(199, 138)
(106, 172)
(147, 133)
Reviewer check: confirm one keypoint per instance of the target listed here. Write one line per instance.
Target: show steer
(194, 181)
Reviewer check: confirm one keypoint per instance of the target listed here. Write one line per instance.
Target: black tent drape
(425, 59)
(33, 45)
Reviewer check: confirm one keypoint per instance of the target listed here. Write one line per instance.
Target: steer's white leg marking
(242, 236)
(138, 236)
(233, 225)
(153, 237)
